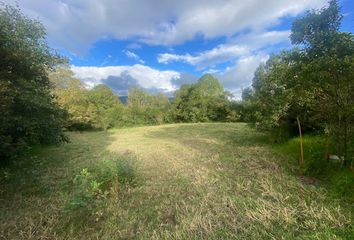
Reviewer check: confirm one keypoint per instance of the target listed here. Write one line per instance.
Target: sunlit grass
(190, 181)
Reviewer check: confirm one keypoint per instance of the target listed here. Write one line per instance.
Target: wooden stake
(301, 146)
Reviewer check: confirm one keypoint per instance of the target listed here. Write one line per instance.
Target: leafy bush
(87, 191)
(91, 188)
(29, 113)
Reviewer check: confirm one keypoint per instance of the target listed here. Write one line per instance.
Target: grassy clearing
(181, 181)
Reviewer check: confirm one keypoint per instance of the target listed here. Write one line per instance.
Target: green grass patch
(338, 180)
(92, 186)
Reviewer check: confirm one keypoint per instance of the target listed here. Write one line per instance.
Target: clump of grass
(91, 188)
(126, 171)
(86, 190)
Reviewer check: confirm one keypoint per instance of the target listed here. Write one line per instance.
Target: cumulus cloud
(121, 78)
(237, 47)
(134, 56)
(121, 84)
(76, 25)
(240, 75)
(184, 78)
(220, 54)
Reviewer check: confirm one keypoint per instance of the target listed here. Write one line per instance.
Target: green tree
(204, 101)
(328, 72)
(72, 95)
(29, 114)
(144, 108)
(106, 108)
(313, 82)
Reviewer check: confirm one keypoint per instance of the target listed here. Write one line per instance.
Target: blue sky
(161, 44)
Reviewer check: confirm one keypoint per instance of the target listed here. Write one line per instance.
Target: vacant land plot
(181, 181)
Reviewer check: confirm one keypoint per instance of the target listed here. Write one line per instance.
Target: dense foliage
(100, 108)
(29, 114)
(144, 108)
(204, 101)
(312, 82)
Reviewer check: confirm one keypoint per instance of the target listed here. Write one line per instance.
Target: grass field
(181, 181)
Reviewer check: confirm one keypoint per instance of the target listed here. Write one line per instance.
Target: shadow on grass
(45, 169)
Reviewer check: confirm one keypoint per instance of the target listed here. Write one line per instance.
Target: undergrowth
(338, 180)
(93, 185)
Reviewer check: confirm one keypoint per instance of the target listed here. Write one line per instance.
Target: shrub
(91, 188)
(29, 114)
(126, 171)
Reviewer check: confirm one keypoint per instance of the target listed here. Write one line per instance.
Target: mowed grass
(190, 181)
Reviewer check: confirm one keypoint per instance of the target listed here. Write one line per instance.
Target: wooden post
(301, 145)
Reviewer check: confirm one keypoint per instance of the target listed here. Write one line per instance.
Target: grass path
(194, 181)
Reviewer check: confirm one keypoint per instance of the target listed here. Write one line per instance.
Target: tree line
(99, 108)
(310, 85)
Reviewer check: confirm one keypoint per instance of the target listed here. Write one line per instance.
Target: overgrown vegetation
(92, 188)
(29, 113)
(328, 172)
(312, 83)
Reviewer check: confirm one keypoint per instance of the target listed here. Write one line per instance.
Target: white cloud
(220, 54)
(134, 46)
(240, 75)
(134, 56)
(237, 47)
(138, 74)
(212, 71)
(76, 25)
(259, 39)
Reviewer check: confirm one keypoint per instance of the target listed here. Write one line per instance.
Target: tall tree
(29, 114)
(203, 101)
(328, 64)
(72, 95)
(105, 106)
(144, 108)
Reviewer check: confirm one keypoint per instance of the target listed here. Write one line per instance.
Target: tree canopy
(29, 113)
(312, 82)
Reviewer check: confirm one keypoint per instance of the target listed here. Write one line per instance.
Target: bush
(29, 114)
(87, 191)
(91, 188)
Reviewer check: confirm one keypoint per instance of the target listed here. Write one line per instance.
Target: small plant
(87, 199)
(91, 188)
(86, 190)
(126, 171)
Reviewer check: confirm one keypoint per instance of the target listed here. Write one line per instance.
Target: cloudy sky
(161, 44)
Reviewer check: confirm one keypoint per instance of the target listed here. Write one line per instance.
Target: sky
(159, 45)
